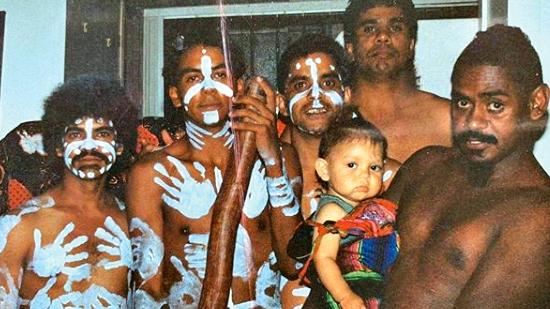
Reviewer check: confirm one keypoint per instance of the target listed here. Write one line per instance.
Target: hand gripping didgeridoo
(226, 216)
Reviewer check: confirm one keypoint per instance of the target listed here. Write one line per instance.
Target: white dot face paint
(102, 148)
(315, 90)
(207, 82)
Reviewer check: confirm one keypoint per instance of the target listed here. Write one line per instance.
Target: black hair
(357, 7)
(308, 44)
(350, 126)
(506, 47)
(90, 96)
(208, 35)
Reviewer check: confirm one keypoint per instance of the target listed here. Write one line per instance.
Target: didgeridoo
(225, 221)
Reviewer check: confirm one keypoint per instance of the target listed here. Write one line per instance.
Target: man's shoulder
(430, 156)
(432, 99)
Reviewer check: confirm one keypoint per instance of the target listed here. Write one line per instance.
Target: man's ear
(347, 95)
(281, 103)
(175, 97)
(539, 102)
(349, 49)
(321, 167)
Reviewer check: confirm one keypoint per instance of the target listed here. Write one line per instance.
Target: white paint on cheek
(211, 117)
(207, 83)
(335, 97)
(256, 197)
(268, 281)
(147, 250)
(192, 198)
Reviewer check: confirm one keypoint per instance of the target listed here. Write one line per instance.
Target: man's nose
(382, 36)
(477, 118)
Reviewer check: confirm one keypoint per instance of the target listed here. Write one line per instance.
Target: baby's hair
(350, 126)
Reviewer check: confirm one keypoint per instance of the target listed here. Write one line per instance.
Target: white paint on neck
(197, 134)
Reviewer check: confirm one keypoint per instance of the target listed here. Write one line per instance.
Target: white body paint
(192, 198)
(190, 286)
(197, 134)
(118, 245)
(89, 143)
(51, 260)
(31, 143)
(387, 175)
(315, 89)
(281, 194)
(9, 298)
(147, 250)
(207, 82)
(256, 197)
(211, 117)
(301, 291)
(142, 299)
(268, 280)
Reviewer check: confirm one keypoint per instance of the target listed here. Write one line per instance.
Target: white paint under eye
(268, 281)
(89, 143)
(210, 117)
(256, 196)
(51, 260)
(117, 245)
(188, 288)
(147, 249)
(207, 82)
(315, 90)
(192, 198)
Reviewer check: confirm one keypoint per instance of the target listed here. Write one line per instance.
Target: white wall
(440, 42)
(33, 60)
(533, 17)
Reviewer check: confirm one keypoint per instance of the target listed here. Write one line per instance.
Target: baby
(354, 241)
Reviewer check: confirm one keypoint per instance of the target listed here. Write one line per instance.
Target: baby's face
(354, 170)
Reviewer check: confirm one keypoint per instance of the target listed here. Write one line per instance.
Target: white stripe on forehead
(207, 82)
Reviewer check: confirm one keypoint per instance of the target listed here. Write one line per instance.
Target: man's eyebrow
(367, 22)
(458, 94)
(331, 75)
(219, 66)
(494, 93)
(399, 19)
(188, 70)
(296, 78)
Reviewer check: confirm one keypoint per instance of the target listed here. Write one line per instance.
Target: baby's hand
(352, 301)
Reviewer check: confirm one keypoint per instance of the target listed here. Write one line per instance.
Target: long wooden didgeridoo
(225, 221)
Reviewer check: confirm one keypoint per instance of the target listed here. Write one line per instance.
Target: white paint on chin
(210, 117)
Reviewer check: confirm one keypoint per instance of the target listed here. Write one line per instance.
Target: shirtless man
(70, 247)
(474, 218)
(381, 37)
(313, 79)
(171, 192)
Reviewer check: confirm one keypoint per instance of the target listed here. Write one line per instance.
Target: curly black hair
(357, 7)
(90, 96)
(309, 44)
(208, 35)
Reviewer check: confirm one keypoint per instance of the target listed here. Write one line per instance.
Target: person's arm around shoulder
(144, 201)
(325, 260)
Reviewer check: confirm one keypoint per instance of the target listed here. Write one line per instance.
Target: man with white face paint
(171, 192)
(70, 247)
(313, 82)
